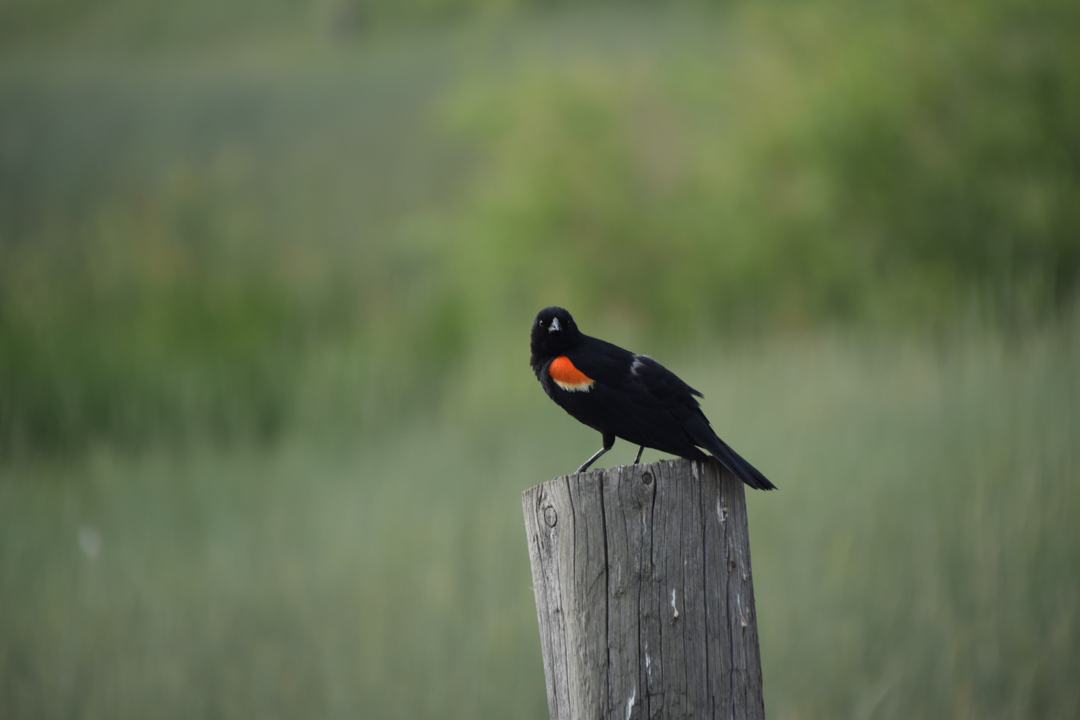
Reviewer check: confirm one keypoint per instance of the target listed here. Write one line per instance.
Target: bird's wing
(662, 383)
(678, 399)
(640, 418)
(619, 404)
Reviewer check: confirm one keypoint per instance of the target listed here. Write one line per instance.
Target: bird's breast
(567, 376)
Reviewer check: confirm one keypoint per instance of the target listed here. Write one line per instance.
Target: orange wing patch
(568, 377)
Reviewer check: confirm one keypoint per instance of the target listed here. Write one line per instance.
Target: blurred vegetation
(187, 240)
(266, 270)
(793, 165)
(921, 558)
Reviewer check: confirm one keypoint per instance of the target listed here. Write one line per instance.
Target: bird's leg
(609, 440)
(591, 460)
(639, 451)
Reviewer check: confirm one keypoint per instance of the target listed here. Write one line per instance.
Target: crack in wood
(619, 552)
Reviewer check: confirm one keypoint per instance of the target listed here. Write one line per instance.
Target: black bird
(624, 395)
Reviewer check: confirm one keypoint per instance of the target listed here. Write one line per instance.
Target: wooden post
(643, 593)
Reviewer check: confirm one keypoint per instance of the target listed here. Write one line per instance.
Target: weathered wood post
(643, 593)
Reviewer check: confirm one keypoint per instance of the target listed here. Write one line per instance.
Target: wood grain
(644, 595)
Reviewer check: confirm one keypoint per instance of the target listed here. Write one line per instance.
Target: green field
(921, 558)
(267, 269)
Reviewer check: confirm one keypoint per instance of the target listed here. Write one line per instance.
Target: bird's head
(553, 332)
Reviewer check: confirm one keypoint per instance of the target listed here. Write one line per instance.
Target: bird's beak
(554, 325)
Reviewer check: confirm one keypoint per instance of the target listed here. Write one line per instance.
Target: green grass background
(266, 274)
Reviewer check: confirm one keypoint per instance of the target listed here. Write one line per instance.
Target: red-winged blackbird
(624, 395)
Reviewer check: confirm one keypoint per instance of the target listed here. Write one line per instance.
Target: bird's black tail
(742, 469)
(706, 438)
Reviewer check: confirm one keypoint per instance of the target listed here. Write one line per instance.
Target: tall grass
(921, 557)
(925, 545)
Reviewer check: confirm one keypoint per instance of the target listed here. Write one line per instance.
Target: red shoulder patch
(568, 377)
